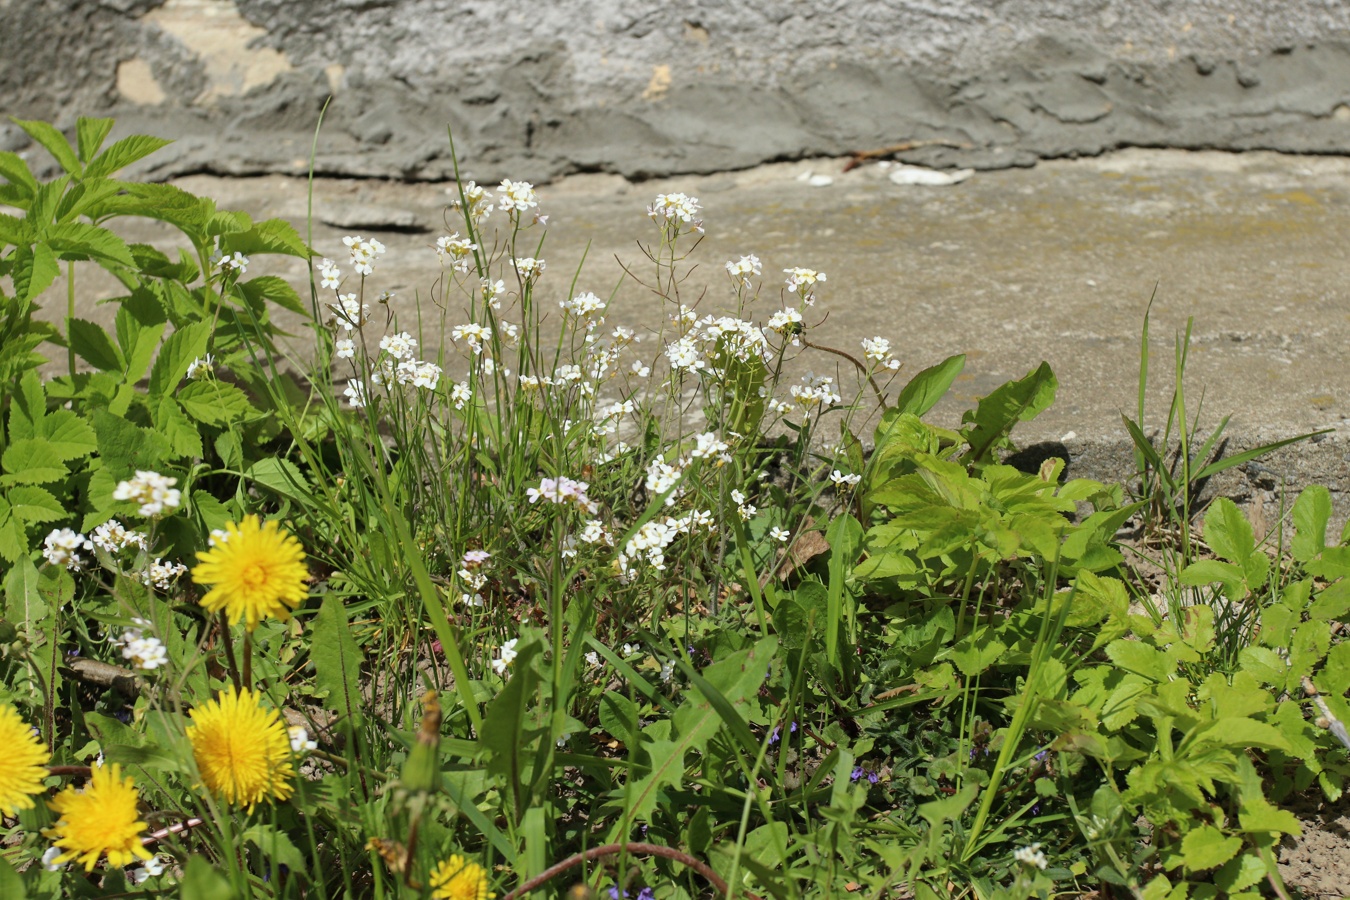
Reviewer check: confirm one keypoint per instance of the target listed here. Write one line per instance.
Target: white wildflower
(300, 741)
(399, 345)
(584, 304)
(457, 251)
(113, 537)
(62, 548)
(516, 196)
(743, 269)
(154, 492)
(461, 394)
(528, 268)
(355, 393)
(779, 534)
(1031, 856)
(842, 480)
(506, 656)
(344, 348)
(162, 575)
(201, 367)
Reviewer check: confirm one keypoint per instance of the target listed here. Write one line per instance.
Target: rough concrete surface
(1011, 267)
(646, 88)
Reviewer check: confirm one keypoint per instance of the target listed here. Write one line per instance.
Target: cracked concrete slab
(1056, 262)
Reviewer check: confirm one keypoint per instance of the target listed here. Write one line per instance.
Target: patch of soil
(1317, 865)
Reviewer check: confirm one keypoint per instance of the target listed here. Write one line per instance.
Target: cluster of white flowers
(355, 392)
(746, 509)
(300, 740)
(653, 539)
(878, 350)
(472, 577)
(505, 657)
(155, 493)
(330, 276)
(735, 337)
(461, 394)
(709, 446)
(583, 305)
(661, 477)
(113, 537)
(817, 392)
(676, 209)
(1031, 856)
(62, 548)
(349, 313)
(667, 671)
(399, 346)
(457, 251)
(477, 199)
(609, 417)
(150, 868)
(492, 292)
(363, 253)
(594, 532)
(475, 335)
(684, 354)
(162, 575)
(841, 480)
(787, 322)
(563, 491)
(743, 269)
(201, 367)
(236, 262)
(144, 652)
(528, 268)
(516, 196)
(803, 281)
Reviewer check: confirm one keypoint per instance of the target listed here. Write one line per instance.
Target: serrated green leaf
(125, 446)
(32, 461)
(28, 407)
(34, 271)
(13, 231)
(280, 475)
(1228, 532)
(1312, 512)
(215, 402)
(123, 153)
(337, 660)
(1207, 847)
(140, 324)
(80, 240)
(89, 136)
(69, 436)
(275, 847)
(1141, 659)
(93, 345)
(183, 437)
(32, 505)
(273, 289)
(14, 170)
(270, 236)
(1208, 571)
(178, 352)
(54, 142)
(24, 606)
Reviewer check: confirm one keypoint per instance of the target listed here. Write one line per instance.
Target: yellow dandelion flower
(459, 879)
(21, 762)
(255, 570)
(100, 820)
(243, 751)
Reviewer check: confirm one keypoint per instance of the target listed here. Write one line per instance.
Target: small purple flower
(614, 892)
(646, 894)
(777, 732)
(873, 777)
(859, 773)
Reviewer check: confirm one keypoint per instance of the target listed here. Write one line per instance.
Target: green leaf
(179, 350)
(337, 659)
(94, 346)
(123, 153)
(274, 289)
(11, 883)
(1332, 603)
(1312, 512)
(1207, 847)
(271, 236)
(215, 402)
(995, 416)
(977, 651)
(34, 271)
(928, 387)
(280, 475)
(28, 407)
(33, 504)
(55, 143)
(505, 734)
(24, 606)
(183, 437)
(14, 170)
(1141, 659)
(90, 134)
(619, 716)
(203, 881)
(126, 447)
(140, 325)
(275, 847)
(69, 436)
(32, 461)
(1228, 532)
(1240, 731)
(79, 240)
(1208, 571)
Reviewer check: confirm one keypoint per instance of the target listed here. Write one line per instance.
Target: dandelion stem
(229, 649)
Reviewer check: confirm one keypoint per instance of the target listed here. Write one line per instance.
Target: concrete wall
(650, 87)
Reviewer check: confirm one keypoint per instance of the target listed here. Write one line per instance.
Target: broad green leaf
(271, 236)
(172, 205)
(54, 142)
(140, 325)
(32, 504)
(928, 387)
(203, 881)
(1238, 731)
(24, 606)
(80, 240)
(34, 271)
(977, 651)
(337, 659)
(506, 734)
(275, 847)
(69, 436)
(1332, 603)
(273, 289)
(280, 475)
(14, 170)
(1228, 532)
(1312, 512)
(1141, 659)
(215, 402)
(12, 230)
(179, 350)
(28, 407)
(126, 447)
(183, 437)
(1264, 664)
(11, 883)
(1017, 401)
(1207, 847)
(89, 136)
(618, 716)
(123, 153)
(1208, 571)
(32, 461)
(93, 345)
